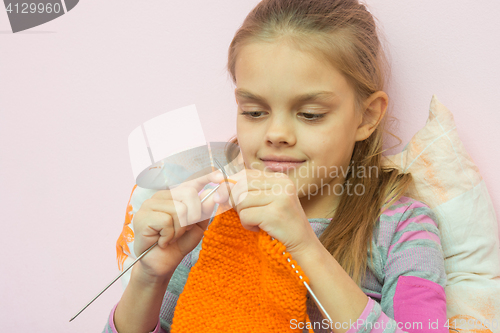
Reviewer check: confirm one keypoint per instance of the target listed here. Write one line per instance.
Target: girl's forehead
(277, 52)
(260, 61)
(263, 68)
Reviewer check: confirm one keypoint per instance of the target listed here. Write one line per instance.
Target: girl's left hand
(269, 201)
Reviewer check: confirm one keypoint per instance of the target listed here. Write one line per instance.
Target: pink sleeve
(419, 306)
(418, 300)
(110, 327)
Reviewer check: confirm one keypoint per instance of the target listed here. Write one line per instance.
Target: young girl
(310, 80)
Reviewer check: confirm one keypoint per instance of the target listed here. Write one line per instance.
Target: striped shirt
(405, 284)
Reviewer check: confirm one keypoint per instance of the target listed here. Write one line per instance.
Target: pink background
(73, 89)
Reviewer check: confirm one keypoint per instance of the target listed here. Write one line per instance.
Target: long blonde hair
(344, 33)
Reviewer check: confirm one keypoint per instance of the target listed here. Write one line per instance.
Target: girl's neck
(319, 212)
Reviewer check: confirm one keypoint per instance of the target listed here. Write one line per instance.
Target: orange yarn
(242, 282)
(229, 180)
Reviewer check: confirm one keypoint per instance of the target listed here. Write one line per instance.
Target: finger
(221, 195)
(249, 218)
(160, 227)
(162, 195)
(202, 178)
(185, 206)
(163, 206)
(189, 197)
(208, 205)
(239, 175)
(188, 194)
(198, 180)
(237, 180)
(176, 209)
(237, 191)
(194, 235)
(168, 226)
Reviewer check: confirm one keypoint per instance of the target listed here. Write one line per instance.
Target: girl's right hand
(177, 220)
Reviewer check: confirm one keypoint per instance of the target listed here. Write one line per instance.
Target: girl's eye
(315, 116)
(311, 117)
(248, 114)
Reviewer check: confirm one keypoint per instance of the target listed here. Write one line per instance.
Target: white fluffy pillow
(449, 182)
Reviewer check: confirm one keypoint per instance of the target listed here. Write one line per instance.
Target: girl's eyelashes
(313, 116)
(249, 114)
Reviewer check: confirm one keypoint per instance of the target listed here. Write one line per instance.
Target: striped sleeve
(413, 297)
(110, 326)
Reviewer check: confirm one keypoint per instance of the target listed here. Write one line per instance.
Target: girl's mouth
(281, 166)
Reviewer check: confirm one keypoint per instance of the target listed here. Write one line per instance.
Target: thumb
(188, 241)
(208, 205)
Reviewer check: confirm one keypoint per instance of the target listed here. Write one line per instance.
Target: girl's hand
(164, 217)
(269, 201)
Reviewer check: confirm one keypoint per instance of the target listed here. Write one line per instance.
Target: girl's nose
(280, 131)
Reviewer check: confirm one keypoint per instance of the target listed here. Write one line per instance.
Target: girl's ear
(373, 112)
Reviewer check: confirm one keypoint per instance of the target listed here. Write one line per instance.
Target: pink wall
(72, 90)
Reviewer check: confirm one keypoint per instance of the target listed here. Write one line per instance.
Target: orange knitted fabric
(242, 282)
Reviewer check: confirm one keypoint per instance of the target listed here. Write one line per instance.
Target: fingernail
(216, 197)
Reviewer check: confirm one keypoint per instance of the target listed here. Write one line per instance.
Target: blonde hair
(344, 33)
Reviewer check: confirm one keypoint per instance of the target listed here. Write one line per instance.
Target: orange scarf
(242, 282)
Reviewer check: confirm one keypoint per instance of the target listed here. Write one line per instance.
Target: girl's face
(292, 105)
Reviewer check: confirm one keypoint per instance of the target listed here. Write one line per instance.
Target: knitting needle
(318, 303)
(136, 260)
(226, 181)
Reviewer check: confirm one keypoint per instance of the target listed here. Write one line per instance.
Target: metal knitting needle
(136, 260)
(225, 181)
(318, 303)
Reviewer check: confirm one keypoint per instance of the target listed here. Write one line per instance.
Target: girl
(311, 109)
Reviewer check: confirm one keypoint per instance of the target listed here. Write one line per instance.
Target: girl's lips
(281, 166)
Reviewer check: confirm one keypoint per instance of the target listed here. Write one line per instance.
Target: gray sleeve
(174, 289)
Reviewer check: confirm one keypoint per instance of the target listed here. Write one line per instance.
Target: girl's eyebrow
(314, 96)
